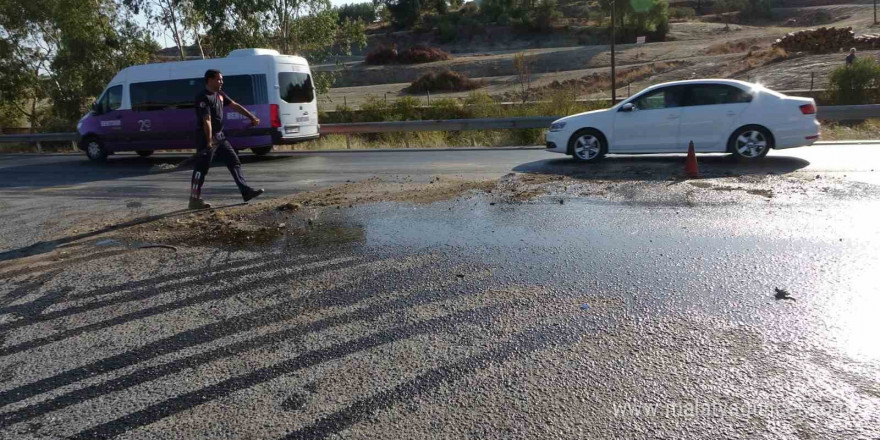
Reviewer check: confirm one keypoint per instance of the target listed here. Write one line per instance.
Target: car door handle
(731, 113)
(672, 117)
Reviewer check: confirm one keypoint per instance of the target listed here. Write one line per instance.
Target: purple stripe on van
(127, 130)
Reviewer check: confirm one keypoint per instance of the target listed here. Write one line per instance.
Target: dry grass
(761, 57)
(833, 131)
(599, 81)
(738, 46)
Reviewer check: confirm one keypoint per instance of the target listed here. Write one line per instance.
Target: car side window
(667, 97)
(715, 94)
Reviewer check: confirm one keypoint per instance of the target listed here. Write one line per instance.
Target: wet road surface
(644, 310)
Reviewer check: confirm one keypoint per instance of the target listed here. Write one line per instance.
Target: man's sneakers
(195, 203)
(251, 193)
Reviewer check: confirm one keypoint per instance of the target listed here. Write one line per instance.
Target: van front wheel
(95, 149)
(261, 151)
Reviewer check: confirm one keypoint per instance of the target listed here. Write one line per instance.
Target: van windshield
(296, 87)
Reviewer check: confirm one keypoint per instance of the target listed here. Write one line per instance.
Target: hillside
(703, 47)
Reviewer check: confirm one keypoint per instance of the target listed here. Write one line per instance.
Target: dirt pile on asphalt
(300, 217)
(262, 223)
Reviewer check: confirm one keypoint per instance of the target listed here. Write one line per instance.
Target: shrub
(375, 109)
(682, 13)
(381, 55)
(447, 32)
(757, 9)
(856, 84)
(422, 54)
(406, 109)
(446, 81)
(414, 55)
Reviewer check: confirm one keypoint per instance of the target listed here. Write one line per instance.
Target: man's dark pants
(205, 155)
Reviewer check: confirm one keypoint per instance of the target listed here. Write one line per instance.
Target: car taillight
(808, 109)
(273, 115)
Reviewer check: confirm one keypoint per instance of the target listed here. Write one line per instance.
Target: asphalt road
(644, 310)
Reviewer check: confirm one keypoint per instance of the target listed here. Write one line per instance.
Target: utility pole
(875, 11)
(613, 74)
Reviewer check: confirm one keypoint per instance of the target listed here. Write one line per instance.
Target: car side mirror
(96, 109)
(628, 107)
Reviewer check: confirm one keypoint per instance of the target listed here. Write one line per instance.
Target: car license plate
(302, 119)
(291, 130)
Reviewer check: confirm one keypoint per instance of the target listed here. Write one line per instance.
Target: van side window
(296, 87)
(180, 93)
(114, 97)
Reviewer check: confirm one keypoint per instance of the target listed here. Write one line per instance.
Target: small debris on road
(162, 167)
(163, 246)
(783, 294)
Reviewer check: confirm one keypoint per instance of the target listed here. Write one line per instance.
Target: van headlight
(557, 126)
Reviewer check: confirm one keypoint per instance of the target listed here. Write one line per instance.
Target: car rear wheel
(587, 146)
(261, 151)
(750, 143)
(144, 153)
(95, 149)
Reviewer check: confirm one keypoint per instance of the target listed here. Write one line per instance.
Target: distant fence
(827, 113)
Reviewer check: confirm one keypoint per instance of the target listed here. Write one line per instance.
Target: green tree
(180, 18)
(312, 28)
(639, 17)
(309, 28)
(57, 55)
(404, 13)
(365, 12)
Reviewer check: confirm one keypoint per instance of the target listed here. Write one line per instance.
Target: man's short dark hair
(211, 73)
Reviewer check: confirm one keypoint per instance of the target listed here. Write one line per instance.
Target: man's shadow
(43, 247)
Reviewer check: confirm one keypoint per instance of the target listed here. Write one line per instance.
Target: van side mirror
(96, 108)
(628, 107)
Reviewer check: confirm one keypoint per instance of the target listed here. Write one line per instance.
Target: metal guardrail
(440, 125)
(828, 113)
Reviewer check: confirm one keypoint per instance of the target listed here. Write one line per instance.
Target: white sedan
(718, 115)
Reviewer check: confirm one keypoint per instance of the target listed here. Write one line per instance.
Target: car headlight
(557, 126)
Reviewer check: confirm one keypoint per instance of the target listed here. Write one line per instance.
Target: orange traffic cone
(690, 166)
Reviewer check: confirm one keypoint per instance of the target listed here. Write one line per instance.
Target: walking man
(210, 139)
(851, 58)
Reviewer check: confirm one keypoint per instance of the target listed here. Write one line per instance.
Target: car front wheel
(750, 143)
(587, 146)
